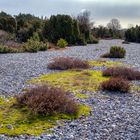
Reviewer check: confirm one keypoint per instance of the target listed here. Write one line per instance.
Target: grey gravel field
(113, 116)
(16, 69)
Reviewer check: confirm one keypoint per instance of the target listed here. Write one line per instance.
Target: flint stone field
(113, 116)
(16, 69)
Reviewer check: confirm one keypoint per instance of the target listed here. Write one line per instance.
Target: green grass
(100, 63)
(82, 96)
(73, 80)
(24, 122)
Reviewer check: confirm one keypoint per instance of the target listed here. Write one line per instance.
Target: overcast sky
(127, 11)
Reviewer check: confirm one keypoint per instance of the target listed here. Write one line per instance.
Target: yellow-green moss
(135, 87)
(24, 122)
(73, 80)
(100, 63)
(82, 96)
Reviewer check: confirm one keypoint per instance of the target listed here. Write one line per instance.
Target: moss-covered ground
(101, 62)
(75, 81)
(24, 122)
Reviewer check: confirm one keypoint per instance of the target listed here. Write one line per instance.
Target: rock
(9, 126)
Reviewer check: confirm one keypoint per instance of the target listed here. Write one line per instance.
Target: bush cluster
(45, 100)
(116, 84)
(133, 34)
(5, 49)
(34, 44)
(92, 40)
(62, 43)
(115, 52)
(126, 73)
(22, 28)
(63, 63)
(120, 77)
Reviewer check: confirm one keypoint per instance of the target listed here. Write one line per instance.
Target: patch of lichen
(82, 96)
(24, 122)
(100, 63)
(135, 87)
(73, 80)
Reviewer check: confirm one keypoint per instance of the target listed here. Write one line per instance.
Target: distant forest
(75, 30)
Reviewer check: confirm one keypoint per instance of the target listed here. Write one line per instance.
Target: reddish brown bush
(47, 100)
(116, 84)
(126, 73)
(63, 63)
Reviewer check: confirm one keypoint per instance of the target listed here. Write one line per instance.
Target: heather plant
(124, 72)
(63, 63)
(116, 85)
(46, 100)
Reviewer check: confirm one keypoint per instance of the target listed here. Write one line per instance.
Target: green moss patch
(82, 96)
(100, 63)
(24, 122)
(73, 80)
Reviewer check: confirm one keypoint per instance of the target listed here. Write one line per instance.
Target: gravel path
(113, 117)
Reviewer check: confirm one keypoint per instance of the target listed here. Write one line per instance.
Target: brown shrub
(126, 73)
(116, 84)
(63, 63)
(47, 100)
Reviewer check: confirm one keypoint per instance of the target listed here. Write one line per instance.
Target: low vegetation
(115, 52)
(37, 110)
(104, 63)
(92, 40)
(64, 63)
(73, 80)
(6, 49)
(116, 85)
(124, 72)
(34, 44)
(62, 43)
(46, 100)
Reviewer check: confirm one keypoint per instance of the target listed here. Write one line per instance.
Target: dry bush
(63, 63)
(116, 85)
(126, 73)
(47, 100)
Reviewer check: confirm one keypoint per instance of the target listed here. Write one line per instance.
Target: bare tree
(114, 24)
(85, 24)
(84, 18)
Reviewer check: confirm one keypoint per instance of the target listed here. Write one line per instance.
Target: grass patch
(73, 80)
(82, 96)
(100, 63)
(24, 122)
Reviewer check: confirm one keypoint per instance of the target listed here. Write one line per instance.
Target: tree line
(133, 34)
(75, 30)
